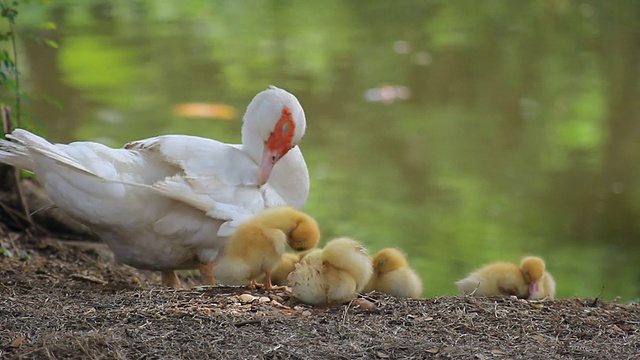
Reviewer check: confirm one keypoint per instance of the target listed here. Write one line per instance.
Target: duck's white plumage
(168, 202)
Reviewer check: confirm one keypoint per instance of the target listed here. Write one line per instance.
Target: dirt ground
(66, 300)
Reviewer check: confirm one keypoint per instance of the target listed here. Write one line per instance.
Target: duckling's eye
(298, 243)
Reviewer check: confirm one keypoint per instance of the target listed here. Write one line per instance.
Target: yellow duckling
(497, 278)
(541, 283)
(258, 244)
(285, 266)
(332, 275)
(392, 275)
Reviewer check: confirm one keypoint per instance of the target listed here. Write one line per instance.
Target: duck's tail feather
(20, 152)
(15, 154)
(33, 142)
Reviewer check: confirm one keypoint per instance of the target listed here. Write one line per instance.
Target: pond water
(462, 132)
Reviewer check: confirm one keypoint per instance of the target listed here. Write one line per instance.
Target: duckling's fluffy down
(498, 278)
(401, 282)
(332, 275)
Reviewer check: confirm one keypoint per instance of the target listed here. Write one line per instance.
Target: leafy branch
(8, 11)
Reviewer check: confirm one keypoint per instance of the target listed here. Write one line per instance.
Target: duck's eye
(285, 127)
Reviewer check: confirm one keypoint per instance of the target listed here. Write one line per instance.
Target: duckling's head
(302, 254)
(305, 235)
(388, 259)
(532, 268)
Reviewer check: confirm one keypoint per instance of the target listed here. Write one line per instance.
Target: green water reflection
(520, 134)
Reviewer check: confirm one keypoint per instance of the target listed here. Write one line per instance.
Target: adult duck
(169, 202)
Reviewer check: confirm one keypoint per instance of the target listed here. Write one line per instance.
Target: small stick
(247, 322)
(6, 125)
(595, 301)
(6, 118)
(44, 208)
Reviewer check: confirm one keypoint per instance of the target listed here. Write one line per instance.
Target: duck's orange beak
(269, 158)
(533, 287)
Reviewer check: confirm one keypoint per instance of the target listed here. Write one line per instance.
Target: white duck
(169, 202)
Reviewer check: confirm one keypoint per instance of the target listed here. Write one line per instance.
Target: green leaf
(7, 62)
(9, 13)
(11, 85)
(25, 100)
(57, 103)
(6, 252)
(51, 43)
(48, 25)
(23, 255)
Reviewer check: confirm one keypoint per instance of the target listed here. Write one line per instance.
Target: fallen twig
(7, 127)
(247, 322)
(89, 278)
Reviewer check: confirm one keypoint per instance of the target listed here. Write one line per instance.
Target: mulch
(63, 299)
(60, 301)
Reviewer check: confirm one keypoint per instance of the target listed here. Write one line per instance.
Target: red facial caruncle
(277, 145)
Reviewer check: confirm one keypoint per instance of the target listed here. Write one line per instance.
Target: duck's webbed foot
(170, 279)
(206, 274)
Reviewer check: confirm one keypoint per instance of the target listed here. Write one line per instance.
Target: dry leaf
(537, 306)
(278, 305)
(364, 303)
(246, 298)
(537, 337)
(448, 349)
(276, 298)
(15, 343)
(434, 350)
(89, 278)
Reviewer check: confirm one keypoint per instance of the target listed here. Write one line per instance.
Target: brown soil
(63, 300)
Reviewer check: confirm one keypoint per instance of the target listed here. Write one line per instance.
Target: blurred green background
(460, 131)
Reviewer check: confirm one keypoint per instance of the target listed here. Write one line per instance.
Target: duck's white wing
(197, 156)
(89, 180)
(213, 177)
(216, 178)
